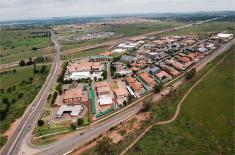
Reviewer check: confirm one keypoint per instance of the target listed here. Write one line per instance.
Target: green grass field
(18, 89)
(17, 43)
(124, 31)
(206, 121)
(23, 56)
(201, 30)
(86, 53)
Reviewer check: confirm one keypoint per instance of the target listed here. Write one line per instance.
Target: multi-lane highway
(31, 115)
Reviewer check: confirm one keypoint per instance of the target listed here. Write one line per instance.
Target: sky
(31, 9)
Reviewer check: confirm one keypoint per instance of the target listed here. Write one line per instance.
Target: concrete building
(147, 79)
(73, 110)
(75, 96)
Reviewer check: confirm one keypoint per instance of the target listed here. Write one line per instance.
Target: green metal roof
(100, 56)
(104, 112)
(92, 97)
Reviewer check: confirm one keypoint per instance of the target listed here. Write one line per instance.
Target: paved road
(198, 67)
(113, 43)
(69, 143)
(32, 113)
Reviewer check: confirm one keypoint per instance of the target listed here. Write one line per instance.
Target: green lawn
(18, 89)
(202, 29)
(206, 121)
(86, 53)
(19, 40)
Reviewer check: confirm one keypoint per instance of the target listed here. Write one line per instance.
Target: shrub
(158, 87)
(73, 126)
(41, 122)
(104, 146)
(79, 121)
(189, 75)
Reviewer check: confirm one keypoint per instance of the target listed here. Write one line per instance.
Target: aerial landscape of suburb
(126, 77)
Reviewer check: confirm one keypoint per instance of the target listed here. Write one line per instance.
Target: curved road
(31, 115)
(72, 142)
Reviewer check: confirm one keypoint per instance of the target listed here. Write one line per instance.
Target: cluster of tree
(105, 147)
(130, 98)
(61, 76)
(41, 71)
(189, 75)
(54, 96)
(31, 61)
(8, 72)
(4, 108)
(87, 80)
(23, 63)
(119, 76)
(29, 81)
(40, 122)
(79, 121)
(104, 74)
(146, 106)
(42, 59)
(112, 69)
(59, 88)
(10, 89)
(40, 34)
(158, 87)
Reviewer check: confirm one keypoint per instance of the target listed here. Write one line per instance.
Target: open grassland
(85, 53)
(24, 55)
(206, 121)
(125, 30)
(23, 41)
(203, 29)
(18, 89)
(136, 29)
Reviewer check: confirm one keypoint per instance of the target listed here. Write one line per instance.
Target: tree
(22, 63)
(129, 98)
(5, 100)
(189, 75)
(79, 121)
(41, 122)
(104, 147)
(43, 69)
(158, 87)
(146, 106)
(34, 48)
(35, 68)
(104, 74)
(73, 126)
(125, 103)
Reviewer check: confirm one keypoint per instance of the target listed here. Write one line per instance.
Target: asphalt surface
(72, 142)
(32, 113)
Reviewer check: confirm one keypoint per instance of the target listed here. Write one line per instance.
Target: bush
(22, 63)
(158, 87)
(104, 75)
(20, 95)
(79, 121)
(189, 75)
(104, 147)
(41, 122)
(73, 126)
